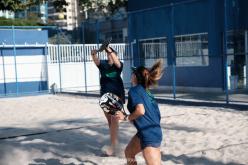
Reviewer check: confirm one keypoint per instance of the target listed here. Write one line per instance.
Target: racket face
(110, 103)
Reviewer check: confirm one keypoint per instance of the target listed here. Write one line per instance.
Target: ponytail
(149, 77)
(155, 73)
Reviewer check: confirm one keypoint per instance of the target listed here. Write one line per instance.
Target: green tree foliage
(11, 5)
(60, 5)
(19, 22)
(18, 5)
(97, 6)
(15, 5)
(101, 7)
(114, 6)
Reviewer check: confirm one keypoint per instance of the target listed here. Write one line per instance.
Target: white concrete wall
(29, 68)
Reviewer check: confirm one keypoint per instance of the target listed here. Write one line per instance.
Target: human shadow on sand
(72, 139)
(58, 162)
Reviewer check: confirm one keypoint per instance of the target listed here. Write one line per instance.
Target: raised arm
(94, 57)
(114, 57)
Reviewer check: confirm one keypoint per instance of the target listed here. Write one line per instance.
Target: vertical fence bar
(58, 46)
(46, 63)
(69, 56)
(14, 51)
(85, 70)
(130, 50)
(132, 53)
(97, 40)
(55, 58)
(138, 52)
(97, 33)
(174, 80)
(246, 58)
(225, 53)
(173, 51)
(84, 60)
(4, 74)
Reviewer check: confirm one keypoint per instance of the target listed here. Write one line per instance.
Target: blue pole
(129, 41)
(46, 63)
(14, 51)
(174, 81)
(97, 39)
(225, 53)
(85, 68)
(97, 33)
(4, 74)
(173, 51)
(60, 81)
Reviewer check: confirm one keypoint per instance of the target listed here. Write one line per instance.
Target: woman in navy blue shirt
(110, 81)
(145, 115)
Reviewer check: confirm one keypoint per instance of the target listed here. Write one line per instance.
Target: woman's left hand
(119, 115)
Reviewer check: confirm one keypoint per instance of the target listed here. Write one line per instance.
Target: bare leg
(152, 156)
(113, 129)
(132, 149)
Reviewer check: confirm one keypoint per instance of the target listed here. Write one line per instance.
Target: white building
(7, 14)
(67, 20)
(39, 11)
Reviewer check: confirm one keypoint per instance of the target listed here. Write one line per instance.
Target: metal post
(14, 51)
(85, 68)
(60, 78)
(4, 74)
(225, 52)
(97, 33)
(47, 68)
(246, 57)
(137, 49)
(97, 40)
(132, 53)
(130, 46)
(173, 51)
(174, 80)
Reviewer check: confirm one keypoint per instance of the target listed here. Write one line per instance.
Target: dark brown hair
(149, 77)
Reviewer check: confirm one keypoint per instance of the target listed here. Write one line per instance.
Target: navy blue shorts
(148, 144)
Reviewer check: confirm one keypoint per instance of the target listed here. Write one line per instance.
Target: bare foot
(108, 151)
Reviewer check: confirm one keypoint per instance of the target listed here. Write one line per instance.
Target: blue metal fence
(204, 48)
(200, 36)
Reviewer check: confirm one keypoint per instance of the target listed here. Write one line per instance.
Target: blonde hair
(149, 77)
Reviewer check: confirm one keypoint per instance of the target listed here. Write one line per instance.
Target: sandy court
(72, 130)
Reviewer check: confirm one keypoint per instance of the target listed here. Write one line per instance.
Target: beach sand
(72, 130)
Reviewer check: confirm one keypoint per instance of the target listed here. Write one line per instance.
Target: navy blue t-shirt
(148, 125)
(110, 80)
